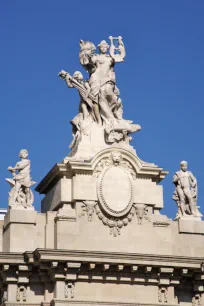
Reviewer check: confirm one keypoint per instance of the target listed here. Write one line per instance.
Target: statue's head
(78, 75)
(183, 165)
(103, 46)
(87, 46)
(23, 153)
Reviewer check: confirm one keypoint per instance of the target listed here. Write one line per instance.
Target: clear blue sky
(161, 80)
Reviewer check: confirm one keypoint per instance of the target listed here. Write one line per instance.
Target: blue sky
(161, 80)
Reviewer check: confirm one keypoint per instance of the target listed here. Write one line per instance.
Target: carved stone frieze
(69, 290)
(163, 294)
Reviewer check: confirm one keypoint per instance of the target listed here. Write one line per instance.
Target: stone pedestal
(19, 233)
(191, 225)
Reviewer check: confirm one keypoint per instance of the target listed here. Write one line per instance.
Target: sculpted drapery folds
(21, 195)
(186, 192)
(100, 97)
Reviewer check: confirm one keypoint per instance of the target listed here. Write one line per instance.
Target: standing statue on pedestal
(21, 196)
(186, 192)
(99, 94)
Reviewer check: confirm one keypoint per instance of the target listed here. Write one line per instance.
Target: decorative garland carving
(114, 158)
(69, 290)
(115, 224)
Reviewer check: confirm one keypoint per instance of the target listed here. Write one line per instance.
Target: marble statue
(186, 192)
(100, 101)
(88, 107)
(21, 196)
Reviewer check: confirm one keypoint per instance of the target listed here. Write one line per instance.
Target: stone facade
(85, 249)
(100, 238)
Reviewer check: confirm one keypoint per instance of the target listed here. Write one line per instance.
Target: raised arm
(65, 76)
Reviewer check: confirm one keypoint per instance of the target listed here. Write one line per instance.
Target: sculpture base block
(92, 142)
(191, 225)
(19, 230)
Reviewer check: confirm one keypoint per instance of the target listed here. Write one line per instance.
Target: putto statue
(186, 192)
(21, 196)
(100, 102)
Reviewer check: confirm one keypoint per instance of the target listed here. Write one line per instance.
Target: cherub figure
(88, 107)
(88, 103)
(21, 194)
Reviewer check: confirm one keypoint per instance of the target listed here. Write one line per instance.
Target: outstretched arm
(65, 76)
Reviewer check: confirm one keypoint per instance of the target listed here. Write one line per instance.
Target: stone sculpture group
(100, 237)
(100, 101)
(101, 106)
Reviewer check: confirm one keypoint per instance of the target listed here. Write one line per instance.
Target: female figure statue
(101, 108)
(102, 77)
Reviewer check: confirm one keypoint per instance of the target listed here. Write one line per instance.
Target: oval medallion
(115, 191)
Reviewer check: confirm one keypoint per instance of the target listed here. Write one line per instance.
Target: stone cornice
(71, 265)
(45, 255)
(79, 302)
(20, 304)
(49, 255)
(57, 171)
(11, 258)
(72, 167)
